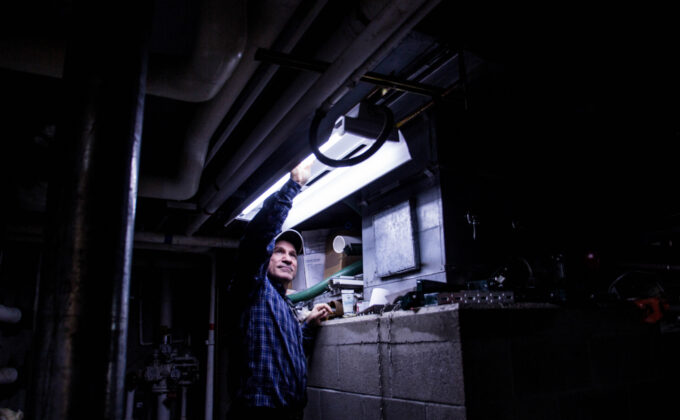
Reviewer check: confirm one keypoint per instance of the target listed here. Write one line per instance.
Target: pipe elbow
(181, 185)
(219, 46)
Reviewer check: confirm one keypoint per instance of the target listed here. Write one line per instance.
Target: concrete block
(323, 369)
(404, 410)
(385, 370)
(344, 331)
(370, 407)
(425, 371)
(313, 408)
(431, 323)
(445, 412)
(359, 369)
(342, 406)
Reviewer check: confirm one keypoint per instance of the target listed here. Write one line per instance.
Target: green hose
(321, 287)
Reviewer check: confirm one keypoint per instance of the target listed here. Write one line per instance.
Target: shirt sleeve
(309, 333)
(256, 244)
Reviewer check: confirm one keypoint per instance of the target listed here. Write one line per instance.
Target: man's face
(283, 263)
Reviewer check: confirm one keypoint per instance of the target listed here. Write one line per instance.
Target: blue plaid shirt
(268, 366)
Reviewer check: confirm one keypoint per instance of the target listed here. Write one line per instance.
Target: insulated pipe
(83, 304)
(210, 343)
(265, 23)
(277, 127)
(8, 314)
(285, 45)
(220, 44)
(8, 375)
(322, 286)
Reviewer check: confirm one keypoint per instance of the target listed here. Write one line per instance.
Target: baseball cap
(292, 236)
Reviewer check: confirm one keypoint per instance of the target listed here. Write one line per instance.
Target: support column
(81, 337)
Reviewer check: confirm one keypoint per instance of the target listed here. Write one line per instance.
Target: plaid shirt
(268, 366)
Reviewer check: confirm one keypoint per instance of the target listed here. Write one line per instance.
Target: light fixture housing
(328, 185)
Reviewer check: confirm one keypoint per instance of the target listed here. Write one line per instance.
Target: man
(267, 343)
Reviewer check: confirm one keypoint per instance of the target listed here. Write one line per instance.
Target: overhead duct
(220, 41)
(381, 34)
(265, 23)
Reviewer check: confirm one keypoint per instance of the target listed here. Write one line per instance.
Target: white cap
(292, 236)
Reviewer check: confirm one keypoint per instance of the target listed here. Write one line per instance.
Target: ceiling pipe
(264, 25)
(34, 234)
(220, 44)
(184, 241)
(252, 93)
(382, 34)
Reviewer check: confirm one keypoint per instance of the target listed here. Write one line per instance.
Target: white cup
(348, 301)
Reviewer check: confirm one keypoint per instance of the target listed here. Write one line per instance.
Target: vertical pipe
(130, 405)
(81, 339)
(210, 359)
(184, 403)
(166, 307)
(162, 409)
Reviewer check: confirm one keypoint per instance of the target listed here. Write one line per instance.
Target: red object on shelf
(653, 308)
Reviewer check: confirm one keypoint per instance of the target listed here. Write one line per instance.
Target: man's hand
(320, 311)
(302, 172)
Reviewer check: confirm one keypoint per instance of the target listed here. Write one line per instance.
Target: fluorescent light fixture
(327, 185)
(249, 212)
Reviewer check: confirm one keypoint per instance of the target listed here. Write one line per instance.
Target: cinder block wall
(402, 365)
(519, 362)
